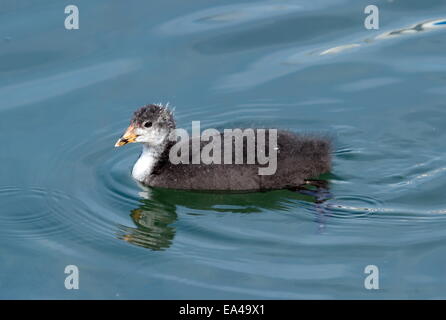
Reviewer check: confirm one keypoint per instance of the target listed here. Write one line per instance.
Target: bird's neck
(147, 161)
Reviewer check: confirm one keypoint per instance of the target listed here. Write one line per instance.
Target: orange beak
(128, 137)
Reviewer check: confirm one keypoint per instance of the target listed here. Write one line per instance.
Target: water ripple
(286, 61)
(232, 15)
(33, 91)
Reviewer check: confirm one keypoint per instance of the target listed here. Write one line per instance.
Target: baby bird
(299, 159)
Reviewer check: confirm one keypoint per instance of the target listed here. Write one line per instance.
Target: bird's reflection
(153, 220)
(155, 217)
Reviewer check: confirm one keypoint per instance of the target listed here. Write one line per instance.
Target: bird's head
(150, 125)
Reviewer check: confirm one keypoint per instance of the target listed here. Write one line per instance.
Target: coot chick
(299, 158)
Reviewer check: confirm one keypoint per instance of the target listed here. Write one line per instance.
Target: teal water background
(67, 197)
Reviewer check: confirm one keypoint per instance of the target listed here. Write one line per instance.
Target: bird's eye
(147, 124)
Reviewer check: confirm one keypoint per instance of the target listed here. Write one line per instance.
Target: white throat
(145, 164)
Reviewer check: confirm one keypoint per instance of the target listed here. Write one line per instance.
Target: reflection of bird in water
(321, 193)
(154, 218)
(153, 221)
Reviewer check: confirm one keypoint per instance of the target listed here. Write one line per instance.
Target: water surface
(67, 196)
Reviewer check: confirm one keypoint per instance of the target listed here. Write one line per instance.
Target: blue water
(67, 197)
